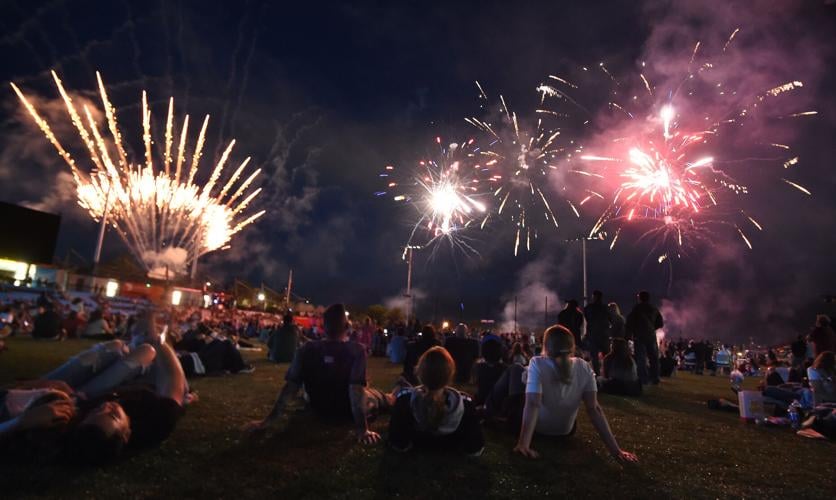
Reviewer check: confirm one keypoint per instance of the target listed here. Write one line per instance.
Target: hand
(255, 426)
(368, 437)
(626, 457)
(47, 415)
(526, 451)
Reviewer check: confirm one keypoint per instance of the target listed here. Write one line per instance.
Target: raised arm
(599, 421)
(169, 380)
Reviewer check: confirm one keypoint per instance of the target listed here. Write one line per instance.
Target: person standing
(597, 329)
(572, 318)
(822, 337)
(642, 323)
(617, 322)
(465, 352)
(396, 350)
(415, 349)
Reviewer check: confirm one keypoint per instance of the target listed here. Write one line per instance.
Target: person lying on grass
(333, 373)
(435, 414)
(557, 383)
(99, 402)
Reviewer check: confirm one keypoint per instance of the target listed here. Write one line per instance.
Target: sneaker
(247, 369)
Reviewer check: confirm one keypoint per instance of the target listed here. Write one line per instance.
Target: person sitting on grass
(333, 374)
(488, 370)
(117, 399)
(396, 350)
(435, 414)
(415, 349)
(557, 383)
(822, 377)
(47, 324)
(212, 355)
(619, 375)
(518, 356)
(97, 327)
(281, 346)
(465, 352)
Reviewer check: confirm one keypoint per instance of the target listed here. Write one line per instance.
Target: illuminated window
(176, 295)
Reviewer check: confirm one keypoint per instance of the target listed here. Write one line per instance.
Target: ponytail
(435, 370)
(559, 345)
(564, 368)
(435, 407)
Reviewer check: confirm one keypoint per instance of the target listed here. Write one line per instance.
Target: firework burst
(445, 190)
(665, 165)
(164, 217)
(521, 159)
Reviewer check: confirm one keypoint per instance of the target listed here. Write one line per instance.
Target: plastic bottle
(794, 414)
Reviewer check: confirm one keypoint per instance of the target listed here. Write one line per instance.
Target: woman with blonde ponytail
(435, 414)
(557, 383)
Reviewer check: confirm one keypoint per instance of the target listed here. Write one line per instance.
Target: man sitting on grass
(333, 374)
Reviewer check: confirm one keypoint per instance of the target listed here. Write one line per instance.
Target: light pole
(407, 255)
(102, 226)
(262, 297)
(583, 239)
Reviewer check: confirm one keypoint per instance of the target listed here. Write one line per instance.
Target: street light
(583, 239)
(407, 256)
(176, 295)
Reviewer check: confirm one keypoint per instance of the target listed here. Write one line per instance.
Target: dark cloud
(323, 96)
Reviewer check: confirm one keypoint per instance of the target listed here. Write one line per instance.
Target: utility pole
(546, 314)
(408, 285)
(102, 226)
(583, 254)
(515, 314)
(289, 287)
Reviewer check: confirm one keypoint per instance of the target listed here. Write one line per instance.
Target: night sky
(323, 95)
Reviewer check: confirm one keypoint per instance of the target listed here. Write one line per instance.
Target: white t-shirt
(560, 401)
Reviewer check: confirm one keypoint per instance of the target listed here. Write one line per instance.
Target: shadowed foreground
(686, 450)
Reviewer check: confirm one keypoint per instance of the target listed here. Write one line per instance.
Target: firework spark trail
(151, 211)
(520, 157)
(731, 37)
(659, 172)
(446, 192)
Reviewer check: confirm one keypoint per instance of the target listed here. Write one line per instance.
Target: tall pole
(546, 313)
(102, 226)
(194, 268)
(583, 254)
(515, 314)
(409, 285)
(289, 288)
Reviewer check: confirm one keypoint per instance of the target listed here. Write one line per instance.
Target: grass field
(686, 451)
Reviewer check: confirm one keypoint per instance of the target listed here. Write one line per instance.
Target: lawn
(686, 450)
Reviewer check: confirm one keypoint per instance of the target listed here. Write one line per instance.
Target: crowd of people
(130, 390)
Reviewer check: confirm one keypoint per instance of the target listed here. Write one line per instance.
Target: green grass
(686, 451)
